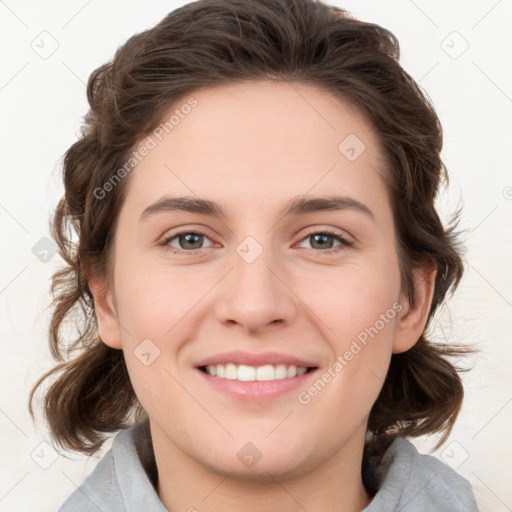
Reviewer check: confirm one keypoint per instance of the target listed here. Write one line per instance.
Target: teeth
(280, 371)
(246, 373)
(291, 371)
(265, 372)
(231, 371)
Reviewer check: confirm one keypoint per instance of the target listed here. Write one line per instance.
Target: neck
(335, 485)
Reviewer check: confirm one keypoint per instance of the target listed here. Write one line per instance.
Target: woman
(257, 260)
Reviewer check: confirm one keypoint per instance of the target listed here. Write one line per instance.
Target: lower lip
(256, 390)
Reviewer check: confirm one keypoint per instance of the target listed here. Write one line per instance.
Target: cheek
(356, 298)
(347, 389)
(153, 301)
(360, 308)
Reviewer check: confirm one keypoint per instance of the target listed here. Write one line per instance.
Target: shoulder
(119, 482)
(415, 482)
(99, 488)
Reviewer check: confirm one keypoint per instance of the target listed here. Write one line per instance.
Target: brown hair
(214, 42)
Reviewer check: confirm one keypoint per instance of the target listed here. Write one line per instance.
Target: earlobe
(108, 325)
(414, 315)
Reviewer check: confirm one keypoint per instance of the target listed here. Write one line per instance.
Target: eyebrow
(301, 205)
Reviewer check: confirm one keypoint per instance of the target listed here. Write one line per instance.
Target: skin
(252, 147)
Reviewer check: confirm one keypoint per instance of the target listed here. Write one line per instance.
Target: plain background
(459, 51)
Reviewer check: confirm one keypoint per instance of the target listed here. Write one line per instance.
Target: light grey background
(42, 101)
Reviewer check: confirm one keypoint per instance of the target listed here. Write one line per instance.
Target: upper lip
(255, 359)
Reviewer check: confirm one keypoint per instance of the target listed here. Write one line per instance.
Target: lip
(256, 390)
(255, 359)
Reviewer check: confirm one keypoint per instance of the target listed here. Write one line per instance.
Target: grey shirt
(125, 478)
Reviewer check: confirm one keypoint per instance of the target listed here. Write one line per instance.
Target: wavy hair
(211, 43)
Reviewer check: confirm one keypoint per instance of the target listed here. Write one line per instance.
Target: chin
(260, 460)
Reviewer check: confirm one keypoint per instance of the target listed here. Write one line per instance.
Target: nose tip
(254, 295)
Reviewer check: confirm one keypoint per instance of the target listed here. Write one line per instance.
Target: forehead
(260, 141)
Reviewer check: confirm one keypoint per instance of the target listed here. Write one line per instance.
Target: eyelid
(315, 229)
(197, 231)
(192, 228)
(341, 233)
(346, 240)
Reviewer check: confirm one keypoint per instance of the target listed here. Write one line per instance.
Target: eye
(322, 240)
(188, 242)
(191, 242)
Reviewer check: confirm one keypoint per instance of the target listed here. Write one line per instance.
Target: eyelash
(345, 244)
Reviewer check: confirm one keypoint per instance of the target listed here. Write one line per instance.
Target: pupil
(189, 239)
(196, 240)
(320, 236)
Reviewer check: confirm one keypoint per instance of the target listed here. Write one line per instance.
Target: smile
(247, 373)
(256, 376)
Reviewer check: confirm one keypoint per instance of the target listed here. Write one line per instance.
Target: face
(258, 339)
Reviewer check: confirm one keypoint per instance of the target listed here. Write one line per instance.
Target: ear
(108, 325)
(414, 314)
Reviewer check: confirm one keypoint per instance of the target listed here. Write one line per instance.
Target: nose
(256, 295)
